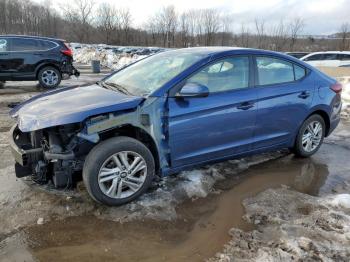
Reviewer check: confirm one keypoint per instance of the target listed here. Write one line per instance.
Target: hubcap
(122, 174)
(49, 77)
(312, 136)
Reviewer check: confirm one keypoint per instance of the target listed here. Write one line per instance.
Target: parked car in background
(298, 54)
(27, 58)
(169, 112)
(329, 58)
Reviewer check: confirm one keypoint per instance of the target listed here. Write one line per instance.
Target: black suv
(27, 58)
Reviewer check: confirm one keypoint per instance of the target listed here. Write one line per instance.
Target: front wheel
(118, 171)
(49, 77)
(310, 136)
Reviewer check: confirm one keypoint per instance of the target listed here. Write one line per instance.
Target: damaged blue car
(169, 112)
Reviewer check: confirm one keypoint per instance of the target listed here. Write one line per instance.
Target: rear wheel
(118, 171)
(310, 136)
(49, 77)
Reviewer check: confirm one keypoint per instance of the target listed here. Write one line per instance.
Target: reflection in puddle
(202, 225)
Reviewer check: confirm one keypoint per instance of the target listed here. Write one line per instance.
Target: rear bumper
(335, 118)
(68, 68)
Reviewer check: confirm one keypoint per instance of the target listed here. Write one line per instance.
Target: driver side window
(224, 75)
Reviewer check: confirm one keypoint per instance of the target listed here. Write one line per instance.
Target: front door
(219, 125)
(26, 55)
(5, 59)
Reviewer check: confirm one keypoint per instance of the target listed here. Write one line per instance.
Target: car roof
(330, 52)
(34, 37)
(222, 50)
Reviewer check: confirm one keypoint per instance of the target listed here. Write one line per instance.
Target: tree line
(86, 22)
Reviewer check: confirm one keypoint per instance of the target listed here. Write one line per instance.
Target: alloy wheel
(49, 77)
(312, 136)
(122, 174)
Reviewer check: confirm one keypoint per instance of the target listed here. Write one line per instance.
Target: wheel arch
(43, 65)
(325, 117)
(139, 134)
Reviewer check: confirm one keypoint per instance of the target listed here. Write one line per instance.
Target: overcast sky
(320, 16)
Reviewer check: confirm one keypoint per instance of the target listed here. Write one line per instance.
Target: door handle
(304, 94)
(245, 106)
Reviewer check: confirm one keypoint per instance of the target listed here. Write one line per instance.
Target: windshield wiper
(117, 87)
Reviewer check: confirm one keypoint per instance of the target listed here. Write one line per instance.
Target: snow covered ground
(110, 56)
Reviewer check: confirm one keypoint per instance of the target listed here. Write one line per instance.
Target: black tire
(2, 84)
(299, 148)
(97, 157)
(42, 77)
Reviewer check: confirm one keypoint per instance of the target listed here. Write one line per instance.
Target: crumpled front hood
(70, 105)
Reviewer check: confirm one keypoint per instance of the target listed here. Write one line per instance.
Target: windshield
(146, 76)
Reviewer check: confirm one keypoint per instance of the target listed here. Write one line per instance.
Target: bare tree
(211, 24)
(244, 36)
(279, 37)
(344, 34)
(226, 28)
(184, 29)
(167, 22)
(260, 32)
(80, 15)
(125, 24)
(107, 20)
(296, 27)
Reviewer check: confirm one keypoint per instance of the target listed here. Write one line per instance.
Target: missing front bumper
(21, 147)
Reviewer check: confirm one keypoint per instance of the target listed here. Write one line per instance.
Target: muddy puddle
(200, 230)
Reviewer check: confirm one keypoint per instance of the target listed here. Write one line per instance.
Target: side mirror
(193, 90)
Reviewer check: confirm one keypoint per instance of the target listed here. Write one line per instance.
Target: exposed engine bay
(52, 154)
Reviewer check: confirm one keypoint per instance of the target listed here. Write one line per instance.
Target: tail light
(67, 51)
(337, 88)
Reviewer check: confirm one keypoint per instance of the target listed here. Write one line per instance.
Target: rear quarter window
(299, 72)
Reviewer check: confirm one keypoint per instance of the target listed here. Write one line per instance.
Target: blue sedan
(170, 112)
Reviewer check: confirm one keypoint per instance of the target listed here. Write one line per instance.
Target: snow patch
(341, 200)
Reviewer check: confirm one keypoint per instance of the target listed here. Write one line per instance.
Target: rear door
(219, 125)
(284, 96)
(5, 59)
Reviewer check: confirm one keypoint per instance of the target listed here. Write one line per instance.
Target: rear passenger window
(273, 71)
(3, 45)
(47, 45)
(344, 57)
(226, 74)
(330, 57)
(23, 44)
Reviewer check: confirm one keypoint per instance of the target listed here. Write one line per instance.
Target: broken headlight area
(50, 155)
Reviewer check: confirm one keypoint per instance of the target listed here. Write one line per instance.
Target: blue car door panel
(219, 125)
(285, 94)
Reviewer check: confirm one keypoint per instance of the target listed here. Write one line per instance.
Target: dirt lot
(271, 207)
